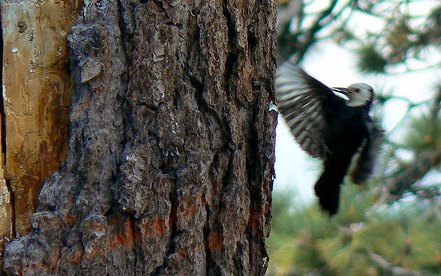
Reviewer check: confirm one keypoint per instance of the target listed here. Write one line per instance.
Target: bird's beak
(344, 90)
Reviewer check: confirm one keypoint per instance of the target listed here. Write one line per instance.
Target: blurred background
(391, 226)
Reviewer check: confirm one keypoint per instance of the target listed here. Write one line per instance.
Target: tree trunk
(170, 161)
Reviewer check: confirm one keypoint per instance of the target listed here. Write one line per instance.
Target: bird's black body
(329, 127)
(345, 133)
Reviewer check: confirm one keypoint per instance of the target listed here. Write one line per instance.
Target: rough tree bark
(170, 161)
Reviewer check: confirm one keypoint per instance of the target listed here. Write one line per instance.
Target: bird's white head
(359, 94)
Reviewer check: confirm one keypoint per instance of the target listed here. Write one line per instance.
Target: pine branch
(404, 178)
(303, 40)
(316, 27)
(390, 268)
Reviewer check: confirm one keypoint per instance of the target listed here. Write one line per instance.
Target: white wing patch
(301, 107)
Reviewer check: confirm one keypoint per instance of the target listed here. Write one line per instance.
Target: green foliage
(380, 229)
(371, 60)
(406, 38)
(360, 240)
(424, 133)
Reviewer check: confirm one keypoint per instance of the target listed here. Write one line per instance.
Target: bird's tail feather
(327, 189)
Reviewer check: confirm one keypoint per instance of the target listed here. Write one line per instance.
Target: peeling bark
(35, 104)
(170, 161)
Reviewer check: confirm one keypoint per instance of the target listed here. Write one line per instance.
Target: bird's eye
(357, 90)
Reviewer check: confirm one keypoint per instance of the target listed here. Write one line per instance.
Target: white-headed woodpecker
(331, 124)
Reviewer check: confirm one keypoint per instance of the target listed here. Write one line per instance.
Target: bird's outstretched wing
(300, 99)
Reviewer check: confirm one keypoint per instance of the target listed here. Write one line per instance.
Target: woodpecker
(332, 124)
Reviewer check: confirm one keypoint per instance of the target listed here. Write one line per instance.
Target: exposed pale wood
(37, 95)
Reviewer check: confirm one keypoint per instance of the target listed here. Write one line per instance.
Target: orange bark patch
(215, 241)
(255, 220)
(160, 227)
(77, 256)
(136, 232)
(115, 220)
(122, 238)
(70, 219)
(181, 253)
(193, 210)
(191, 206)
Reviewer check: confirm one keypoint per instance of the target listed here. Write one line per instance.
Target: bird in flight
(332, 124)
